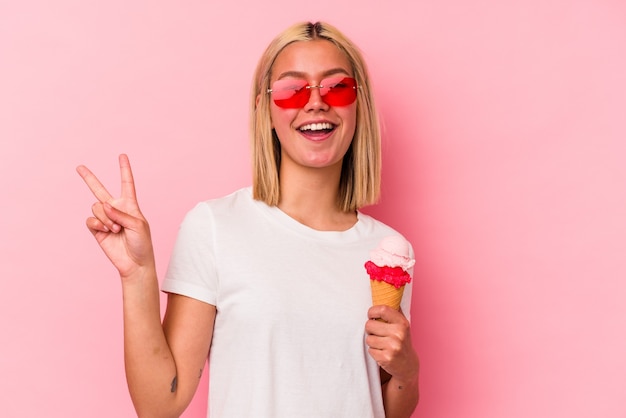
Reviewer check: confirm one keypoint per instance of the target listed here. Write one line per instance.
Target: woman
(269, 281)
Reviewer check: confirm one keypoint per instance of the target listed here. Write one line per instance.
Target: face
(316, 135)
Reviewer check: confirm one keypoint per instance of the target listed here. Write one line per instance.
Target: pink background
(505, 148)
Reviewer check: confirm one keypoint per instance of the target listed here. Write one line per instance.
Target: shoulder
(207, 217)
(377, 230)
(237, 200)
(376, 226)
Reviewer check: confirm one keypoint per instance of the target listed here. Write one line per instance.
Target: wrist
(139, 275)
(409, 377)
(404, 382)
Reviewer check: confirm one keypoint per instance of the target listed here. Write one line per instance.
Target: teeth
(317, 126)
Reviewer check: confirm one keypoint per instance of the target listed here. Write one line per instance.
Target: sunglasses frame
(299, 101)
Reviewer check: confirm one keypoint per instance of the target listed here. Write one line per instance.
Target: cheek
(349, 119)
(281, 118)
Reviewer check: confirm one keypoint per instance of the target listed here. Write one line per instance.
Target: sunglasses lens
(338, 91)
(294, 94)
(290, 94)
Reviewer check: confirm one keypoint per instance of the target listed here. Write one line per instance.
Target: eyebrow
(299, 74)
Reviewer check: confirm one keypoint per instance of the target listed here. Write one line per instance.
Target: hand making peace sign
(117, 223)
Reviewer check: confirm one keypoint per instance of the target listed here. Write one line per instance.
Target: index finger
(385, 313)
(128, 182)
(98, 190)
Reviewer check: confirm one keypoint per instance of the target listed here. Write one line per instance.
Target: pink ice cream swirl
(390, 262)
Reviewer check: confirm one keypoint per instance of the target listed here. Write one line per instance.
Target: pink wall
(504, 151)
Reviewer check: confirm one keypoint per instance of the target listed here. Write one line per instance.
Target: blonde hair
(359, 184)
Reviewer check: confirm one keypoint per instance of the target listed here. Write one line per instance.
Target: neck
(310, 197)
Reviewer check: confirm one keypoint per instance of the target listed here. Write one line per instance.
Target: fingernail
(116, 228)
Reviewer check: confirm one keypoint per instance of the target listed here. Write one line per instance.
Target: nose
(316, 101)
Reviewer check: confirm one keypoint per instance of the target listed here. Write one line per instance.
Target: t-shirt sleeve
(191, 271)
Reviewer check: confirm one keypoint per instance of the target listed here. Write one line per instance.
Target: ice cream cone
(389, 270)
(386, 294)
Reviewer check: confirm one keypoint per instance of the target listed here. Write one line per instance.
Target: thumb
(385, 313)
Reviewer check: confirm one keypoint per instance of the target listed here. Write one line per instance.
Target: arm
(389, 343)
(162, 361)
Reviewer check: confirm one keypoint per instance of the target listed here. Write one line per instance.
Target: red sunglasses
(295, 93)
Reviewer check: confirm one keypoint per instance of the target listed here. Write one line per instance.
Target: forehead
(311, 59)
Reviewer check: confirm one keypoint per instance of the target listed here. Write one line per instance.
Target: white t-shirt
(291, 309)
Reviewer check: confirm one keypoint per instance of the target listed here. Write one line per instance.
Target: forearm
(150, 366)
(400, 397)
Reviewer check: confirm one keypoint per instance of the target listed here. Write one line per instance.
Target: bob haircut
(360, 173)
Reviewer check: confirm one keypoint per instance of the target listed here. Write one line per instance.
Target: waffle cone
(386, 294)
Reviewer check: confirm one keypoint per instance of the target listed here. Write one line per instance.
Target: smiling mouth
(317, 128)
